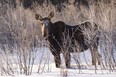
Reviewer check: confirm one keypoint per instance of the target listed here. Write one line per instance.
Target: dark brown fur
(64, 38)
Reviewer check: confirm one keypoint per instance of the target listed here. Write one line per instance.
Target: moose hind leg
(95, 56)
(99, 57)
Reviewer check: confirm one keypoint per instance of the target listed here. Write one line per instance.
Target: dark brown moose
(64, 39)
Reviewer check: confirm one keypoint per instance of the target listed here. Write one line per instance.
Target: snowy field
(44, 62)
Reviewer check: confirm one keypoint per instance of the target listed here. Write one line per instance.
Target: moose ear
(51, 15)
(38, 17)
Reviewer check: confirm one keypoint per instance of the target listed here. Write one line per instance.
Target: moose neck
(50, 28)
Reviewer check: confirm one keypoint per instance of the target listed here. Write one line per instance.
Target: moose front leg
(67, 58)
(56, 53)
(57, 60)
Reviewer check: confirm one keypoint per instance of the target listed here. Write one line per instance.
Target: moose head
(45, 22)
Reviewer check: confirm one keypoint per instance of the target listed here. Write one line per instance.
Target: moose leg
(67, 59)
(57, 60)
(99, 57)
(56, 53)
(95, 56)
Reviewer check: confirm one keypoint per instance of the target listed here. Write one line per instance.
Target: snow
(71, 73)
(51, 71)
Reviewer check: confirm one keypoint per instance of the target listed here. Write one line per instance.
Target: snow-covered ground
(48, 69)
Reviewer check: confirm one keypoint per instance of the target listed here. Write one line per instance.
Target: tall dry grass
(26, 40)
(24, 28)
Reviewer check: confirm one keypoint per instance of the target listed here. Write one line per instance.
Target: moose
(65, 38)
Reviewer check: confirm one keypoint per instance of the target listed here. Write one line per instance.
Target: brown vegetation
(24, 30)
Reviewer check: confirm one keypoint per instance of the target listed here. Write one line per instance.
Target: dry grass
(25, 30)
